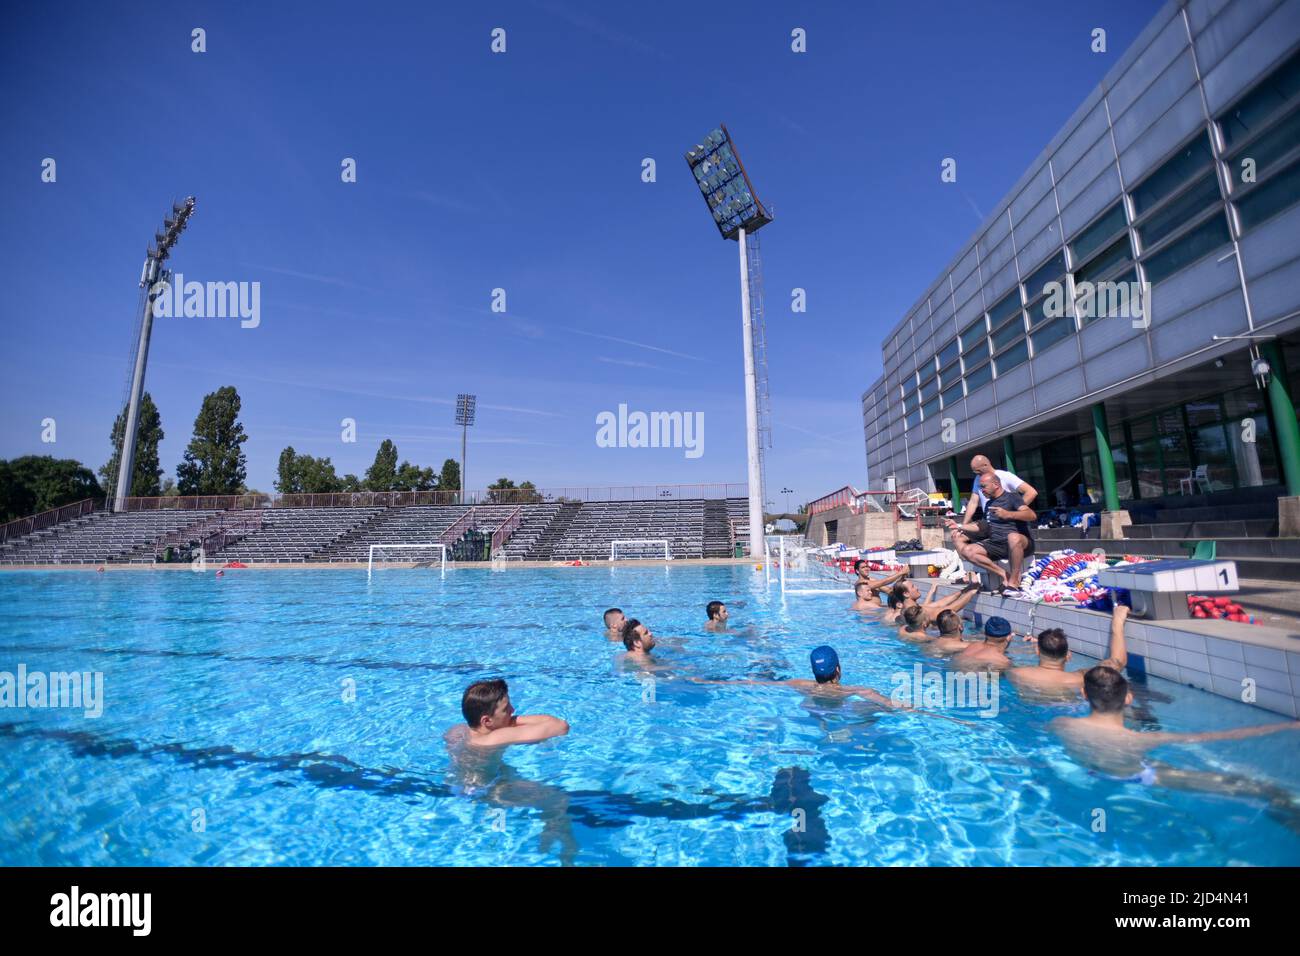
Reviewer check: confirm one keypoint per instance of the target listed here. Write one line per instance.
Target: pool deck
(1215, 656)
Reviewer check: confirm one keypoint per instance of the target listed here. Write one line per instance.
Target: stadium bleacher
(561, 531)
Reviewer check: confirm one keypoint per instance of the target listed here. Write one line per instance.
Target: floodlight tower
(152, 276)
(739, 214)
(466, 406)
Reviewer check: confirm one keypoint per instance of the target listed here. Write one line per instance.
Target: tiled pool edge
(1214, 656)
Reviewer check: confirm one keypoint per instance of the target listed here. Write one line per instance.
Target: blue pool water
(226, 740)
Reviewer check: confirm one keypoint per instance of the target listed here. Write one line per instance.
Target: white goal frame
(370, 561)
(668, 553)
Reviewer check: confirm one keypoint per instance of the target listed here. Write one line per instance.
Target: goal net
(655, 549)
(406, 556)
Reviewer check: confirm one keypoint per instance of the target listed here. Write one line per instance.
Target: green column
(1104, 459)
(1284, 420)
(956, 485)
(1009, 453)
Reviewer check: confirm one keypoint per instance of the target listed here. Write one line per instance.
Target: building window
(1268, 199)
(930, 408)
(1050, 271)
(1194, 245)
(979, 378)
(948, 354)
(1016, 355)
(1253, 111)
(952, 394)
(1099, 234)
(1172, 216)
(1047, 335)
(1184, 165)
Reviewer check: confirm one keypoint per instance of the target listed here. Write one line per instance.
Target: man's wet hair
(613, 610)
(1052, 644)
(857, 588)
(897, 595)
(914, 616)
(1105, 688)
(949, 622)
(481, 699)
(712, 609)
(857, 565)
(629, 633)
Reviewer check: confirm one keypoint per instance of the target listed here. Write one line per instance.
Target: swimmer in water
(950, 639)
(614, 624)
(491, 722)
(717, 613)
(1049, 676)
(990, 653)
(1101, 742)
(868, 591)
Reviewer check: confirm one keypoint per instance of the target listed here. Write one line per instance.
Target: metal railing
(46, 519)
(502, 534)
(856, 501)
(458, 528)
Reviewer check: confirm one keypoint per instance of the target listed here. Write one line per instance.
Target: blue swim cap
(824, 662)
(997, 627)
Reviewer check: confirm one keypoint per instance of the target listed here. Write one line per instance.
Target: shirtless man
(638, 640)
(614, 624)
(950, 639)
(717, 612)
(1101, 742)
(490, 720)
(990, 653)
(867, 591)
(1049, 676)
(914, 625)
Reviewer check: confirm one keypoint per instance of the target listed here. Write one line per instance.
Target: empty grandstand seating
(563, 531)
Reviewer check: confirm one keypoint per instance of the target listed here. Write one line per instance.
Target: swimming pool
(226, 738)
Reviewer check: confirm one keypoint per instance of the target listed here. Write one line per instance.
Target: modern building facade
(1101, 333)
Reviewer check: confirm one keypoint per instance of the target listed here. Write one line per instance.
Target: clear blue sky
(520, 171)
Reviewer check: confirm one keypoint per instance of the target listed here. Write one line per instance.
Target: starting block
(1159, 589)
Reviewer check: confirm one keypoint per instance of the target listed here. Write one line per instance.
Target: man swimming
(990, 653)
(637, 639)
(717, 614)
(1101, 741)
(914, 625)
(614, 624)
(867, 591)
(490, 720)
(950, 639)
(1049, 675)
(904, 595)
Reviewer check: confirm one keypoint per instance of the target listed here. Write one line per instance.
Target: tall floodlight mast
(465, 409)
(152, 278)
(738, 214)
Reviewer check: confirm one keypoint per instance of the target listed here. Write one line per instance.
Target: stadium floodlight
(466, 407)
(149, 275)
(736, 209)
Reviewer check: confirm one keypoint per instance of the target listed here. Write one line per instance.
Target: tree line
(214, 463)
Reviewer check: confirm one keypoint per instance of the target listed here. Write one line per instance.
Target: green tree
(382, 475)
(414, 478)
(449, 479)
(214, 462)
(305, 475)
(146, 470)
(501, 490)
(38, 483)
(527, 494)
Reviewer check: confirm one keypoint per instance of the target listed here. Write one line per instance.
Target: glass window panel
(1050, 271)
(1146, 468)
(931, 407)
(1013, 356)
(952, 394)
(948, 353)
(1053, 332)
(1202, 240)
(1008, 333)
(1268, 199)
(1269, 148)
(911, 419)
(1256, 463)
(1008, 306)
(1247, 400)
(979, 378)
(929, 389)
(1262, 102)
(1204, 412)
(1098, 234)
(1178, 169)
(971, 335)
(977, 352)
(1213, 459)
(1142, 428)
(1115, 254)
(1173, 447)
(1177, 213)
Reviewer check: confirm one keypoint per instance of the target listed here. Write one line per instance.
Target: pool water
(231, 735)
